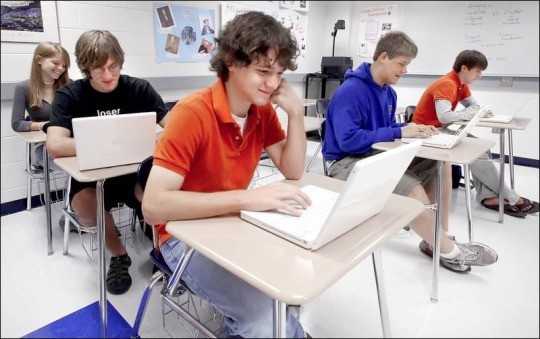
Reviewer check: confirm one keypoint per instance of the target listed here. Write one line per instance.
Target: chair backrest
(321, 106)
(169, 105)
(409, 111)
(142, 177)
(144, 171)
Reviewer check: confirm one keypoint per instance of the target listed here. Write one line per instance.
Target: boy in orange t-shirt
(209, 150)
(437, 107)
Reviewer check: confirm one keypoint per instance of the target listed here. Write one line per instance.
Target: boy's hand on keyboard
(418, 131)
(285, 198)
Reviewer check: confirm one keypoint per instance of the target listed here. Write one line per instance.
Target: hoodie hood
(362, 72)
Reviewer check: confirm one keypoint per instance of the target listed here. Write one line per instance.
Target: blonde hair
(94, 48)
(45, 49)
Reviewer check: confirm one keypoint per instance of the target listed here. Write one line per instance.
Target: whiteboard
(506, 32)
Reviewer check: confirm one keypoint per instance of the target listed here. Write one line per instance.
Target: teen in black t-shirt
(103, 91)
(80, 99)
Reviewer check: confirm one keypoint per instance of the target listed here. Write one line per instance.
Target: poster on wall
(183, 33)
(29, 21)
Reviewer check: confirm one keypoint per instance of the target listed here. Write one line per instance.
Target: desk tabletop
(465, 152)
(310, 123)
(33, 136)
(516, 123)
(71, 166)
(281, 269)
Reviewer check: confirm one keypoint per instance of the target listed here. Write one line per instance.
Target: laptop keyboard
(307, 226)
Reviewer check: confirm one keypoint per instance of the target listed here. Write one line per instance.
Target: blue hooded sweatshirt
(360, 114)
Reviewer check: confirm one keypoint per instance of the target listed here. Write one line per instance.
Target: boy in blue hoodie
(362, 112)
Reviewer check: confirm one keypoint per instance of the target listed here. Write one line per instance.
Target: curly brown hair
(250, 36)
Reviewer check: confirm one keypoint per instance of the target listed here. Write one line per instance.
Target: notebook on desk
(443, 140)
(331, 214)
(114, 140)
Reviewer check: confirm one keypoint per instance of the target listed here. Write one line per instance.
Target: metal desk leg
(468, 199)
(29, 176)
(47, 199)
(101, 249)
(280, 319)
(381, 293)
(306, 92)
(501, 176)
(437, 235)
(511, 157)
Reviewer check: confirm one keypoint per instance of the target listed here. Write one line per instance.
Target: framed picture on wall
(29, 21)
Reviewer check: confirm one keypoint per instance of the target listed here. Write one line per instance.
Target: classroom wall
(131, 22)
(516, 96)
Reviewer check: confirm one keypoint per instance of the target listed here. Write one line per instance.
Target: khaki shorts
(420, 172)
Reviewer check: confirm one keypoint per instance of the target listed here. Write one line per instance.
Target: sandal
(528, 206)
(512, 210)
(118, 278)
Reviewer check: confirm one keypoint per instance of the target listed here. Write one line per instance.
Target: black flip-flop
(511, 210)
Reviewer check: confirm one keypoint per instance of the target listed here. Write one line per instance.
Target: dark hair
(471, 59)
(94, 48)
(395, 43)
(250, 36)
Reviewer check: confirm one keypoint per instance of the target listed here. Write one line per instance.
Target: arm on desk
(447, 116)
(163, 201)
(59, 142)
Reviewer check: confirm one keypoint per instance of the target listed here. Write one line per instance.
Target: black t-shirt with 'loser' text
(79, 99)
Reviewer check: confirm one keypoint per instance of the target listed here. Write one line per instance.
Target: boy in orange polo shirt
(209, 150)
(437, 107)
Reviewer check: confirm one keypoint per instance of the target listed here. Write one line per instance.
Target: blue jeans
(247, 311)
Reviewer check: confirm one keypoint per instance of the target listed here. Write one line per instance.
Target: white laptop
(114, 140)
(331, 214)
(443, 140)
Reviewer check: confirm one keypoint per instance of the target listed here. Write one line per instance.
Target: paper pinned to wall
(230, 9)
(183, 33)
(297, 23)
(373, 23)
(291, 14)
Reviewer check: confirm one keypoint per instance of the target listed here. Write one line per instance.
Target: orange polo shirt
(204, 144)
(448, 87)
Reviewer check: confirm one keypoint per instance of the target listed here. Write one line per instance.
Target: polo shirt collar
(454, 76)
(220, 103)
